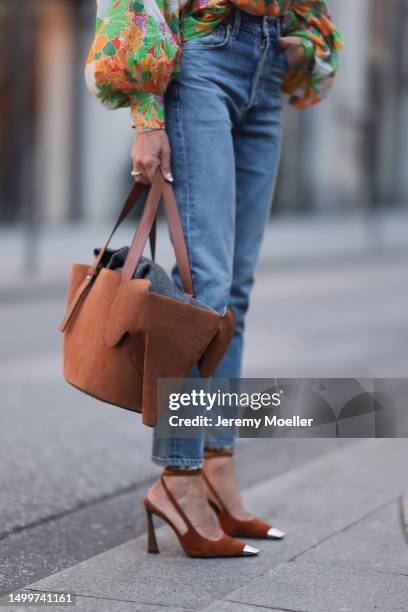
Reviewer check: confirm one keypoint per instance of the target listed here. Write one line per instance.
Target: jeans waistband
(259, 24)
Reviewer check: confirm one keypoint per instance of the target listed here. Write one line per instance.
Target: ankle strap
(176, 472)
(210, 453)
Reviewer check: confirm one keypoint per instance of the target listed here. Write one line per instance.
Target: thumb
(289, 41)
(165, 164)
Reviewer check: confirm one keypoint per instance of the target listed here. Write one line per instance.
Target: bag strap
(146, 228)
(160, 186)
(131, 200)
(177, 238)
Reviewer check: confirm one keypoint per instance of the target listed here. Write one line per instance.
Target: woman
(204, 81)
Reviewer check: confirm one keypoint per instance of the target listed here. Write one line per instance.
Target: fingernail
(168, 176)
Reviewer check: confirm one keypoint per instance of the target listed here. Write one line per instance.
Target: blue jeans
(223, 118)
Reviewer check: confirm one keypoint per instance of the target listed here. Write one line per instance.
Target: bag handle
(159, 187)
(177, 238)
(146, 227)
(131, 200)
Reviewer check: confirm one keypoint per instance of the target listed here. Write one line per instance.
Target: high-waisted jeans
(223, 119)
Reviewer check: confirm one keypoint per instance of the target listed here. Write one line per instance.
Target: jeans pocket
(216, 39)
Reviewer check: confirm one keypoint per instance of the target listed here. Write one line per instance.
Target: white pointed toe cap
(249, 551)
(275, 534)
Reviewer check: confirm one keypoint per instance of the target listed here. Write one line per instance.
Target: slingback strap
(215, 494)
(173, 500)
(210, 453)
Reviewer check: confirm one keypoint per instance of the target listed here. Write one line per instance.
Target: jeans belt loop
(279, 28)
(265, 29)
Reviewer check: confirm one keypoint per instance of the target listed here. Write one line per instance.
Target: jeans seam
(257, 76)
(188, 211)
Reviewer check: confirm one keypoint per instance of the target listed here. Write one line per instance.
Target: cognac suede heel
(194, 544)
(250, 528)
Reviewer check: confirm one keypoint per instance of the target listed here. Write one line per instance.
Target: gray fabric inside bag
(160, 282)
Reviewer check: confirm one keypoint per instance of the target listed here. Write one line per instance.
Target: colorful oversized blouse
(137, 48)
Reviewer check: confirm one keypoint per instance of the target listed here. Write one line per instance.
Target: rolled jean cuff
(219, 444)
(181, 464)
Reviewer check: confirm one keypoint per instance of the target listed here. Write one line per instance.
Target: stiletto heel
(152, 546)
(193, 543)
(250, 528)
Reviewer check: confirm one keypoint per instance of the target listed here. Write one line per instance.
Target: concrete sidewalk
(346, 548)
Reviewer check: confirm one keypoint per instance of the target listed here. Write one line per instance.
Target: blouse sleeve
(134, 55)
(321, 40)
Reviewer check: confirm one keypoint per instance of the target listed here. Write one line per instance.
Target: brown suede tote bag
(120, 337)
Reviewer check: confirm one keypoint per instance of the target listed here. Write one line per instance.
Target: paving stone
(375, 543)
(315, 587)
(170, 578)
(333, 491)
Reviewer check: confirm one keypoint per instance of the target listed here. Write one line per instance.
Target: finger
(140, 170)
(291, 40)
(165, 164)
(149, 168)
(137, 173)
(139, 177)
(136, 163)
(288, 42)
(142, 179)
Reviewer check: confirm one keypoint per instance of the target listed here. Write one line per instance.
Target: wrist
(144, 130)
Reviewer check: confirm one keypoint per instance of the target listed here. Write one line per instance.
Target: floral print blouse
(137, 47)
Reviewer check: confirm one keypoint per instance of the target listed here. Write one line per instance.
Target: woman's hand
(150, 151)
(293, 47)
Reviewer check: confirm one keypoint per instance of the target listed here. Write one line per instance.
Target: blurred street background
(330, 299)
